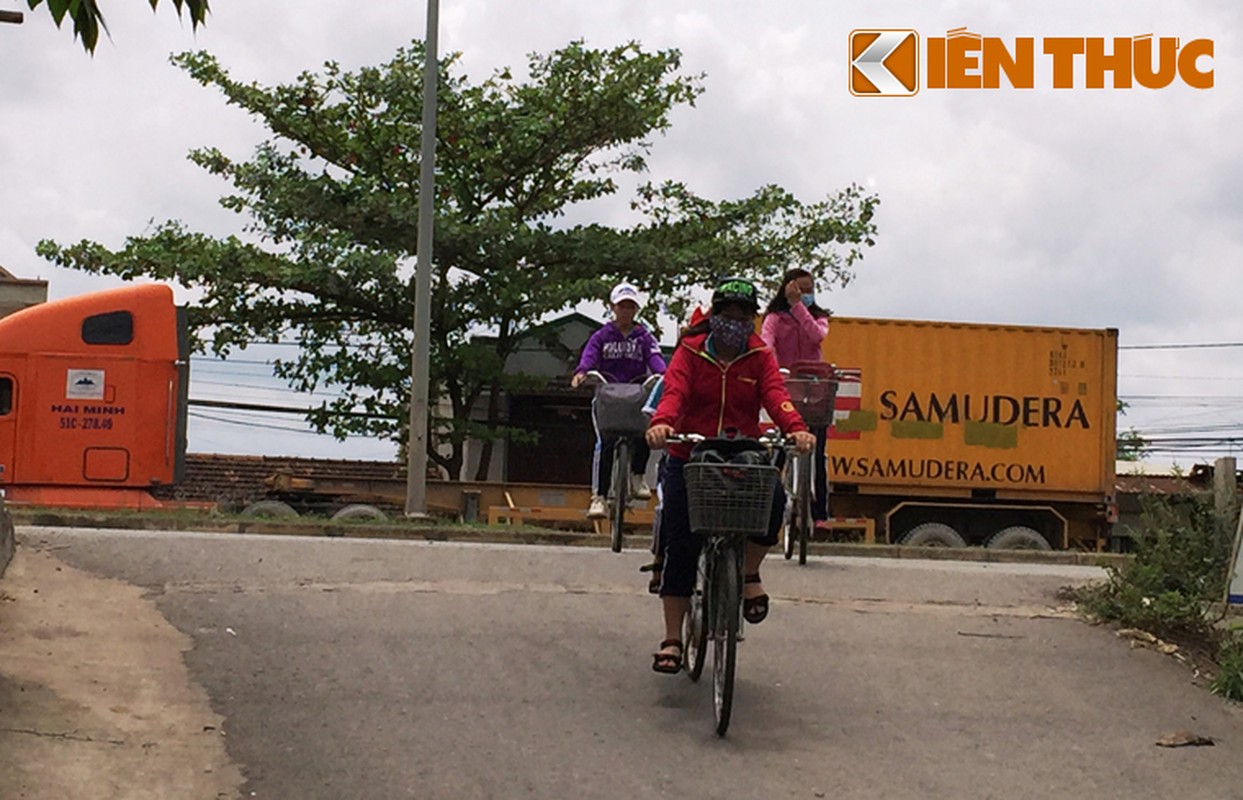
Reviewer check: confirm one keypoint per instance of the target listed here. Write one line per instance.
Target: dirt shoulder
(95, 700)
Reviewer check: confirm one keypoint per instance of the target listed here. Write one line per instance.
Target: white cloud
(1086, 208)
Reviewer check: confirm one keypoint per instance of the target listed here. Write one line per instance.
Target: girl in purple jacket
(624, 352)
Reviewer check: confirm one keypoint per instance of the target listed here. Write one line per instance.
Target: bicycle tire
(726, 623)
(788, 478)
(621, 483)
(804, 505)
(695, 628)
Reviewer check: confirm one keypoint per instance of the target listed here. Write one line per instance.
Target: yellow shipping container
(976, 428)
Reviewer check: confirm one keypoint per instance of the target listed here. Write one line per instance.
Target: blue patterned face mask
(809, 300)
(732, 333)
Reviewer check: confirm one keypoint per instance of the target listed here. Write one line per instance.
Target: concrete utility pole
(14, 17)
(1225, 492)
(416, 467)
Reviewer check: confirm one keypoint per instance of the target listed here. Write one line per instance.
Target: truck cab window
(6, 396)
(113, 327)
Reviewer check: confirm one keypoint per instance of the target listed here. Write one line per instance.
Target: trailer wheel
(360, 511)
(269, 509)
(1018, 537)
(932, 534)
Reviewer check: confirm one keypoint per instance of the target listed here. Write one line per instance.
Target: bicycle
(728, 501)
(619, 412)
(812, 387)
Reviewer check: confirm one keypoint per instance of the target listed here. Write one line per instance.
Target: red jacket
(702, 395)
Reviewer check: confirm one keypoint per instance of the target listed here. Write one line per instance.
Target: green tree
(87, 18)
(332, 206)
(1131, 446)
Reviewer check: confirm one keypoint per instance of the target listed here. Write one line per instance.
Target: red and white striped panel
(849, 398)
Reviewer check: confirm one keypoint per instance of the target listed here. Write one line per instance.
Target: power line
(266, 426)
(280, 409)
(1201, 346)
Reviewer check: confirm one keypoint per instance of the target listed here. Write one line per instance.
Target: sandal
(653, 585)
(754, 609)
(668, 662)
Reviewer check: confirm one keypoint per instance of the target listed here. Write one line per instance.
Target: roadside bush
(1180, 568)
(1228, 682)
(1178, 575)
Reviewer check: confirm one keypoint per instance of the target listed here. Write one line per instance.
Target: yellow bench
(511, 515)
(508, 515)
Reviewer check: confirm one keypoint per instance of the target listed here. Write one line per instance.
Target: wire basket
(727, 498)
(813, 399)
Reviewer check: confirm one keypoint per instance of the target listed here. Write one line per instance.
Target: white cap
(624, 291)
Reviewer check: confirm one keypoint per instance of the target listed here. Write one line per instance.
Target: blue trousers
(681, 547)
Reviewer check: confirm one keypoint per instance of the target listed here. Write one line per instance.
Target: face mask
(809, 300)
(731, 333)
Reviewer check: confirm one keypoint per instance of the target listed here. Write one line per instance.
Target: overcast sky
(1086, 208)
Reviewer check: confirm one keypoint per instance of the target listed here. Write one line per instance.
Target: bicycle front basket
(813, 398)
(730, 498)
(619, 409)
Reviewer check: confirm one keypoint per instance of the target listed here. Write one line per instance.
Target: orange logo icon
(884, 62)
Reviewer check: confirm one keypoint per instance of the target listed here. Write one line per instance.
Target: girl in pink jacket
(794, 326)
(794, 329)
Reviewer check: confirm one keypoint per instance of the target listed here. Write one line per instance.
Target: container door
(8, 426)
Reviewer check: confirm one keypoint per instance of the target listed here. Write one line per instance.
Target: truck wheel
(1018, 537)
(360, 511)
(932, 534)
(269, 509)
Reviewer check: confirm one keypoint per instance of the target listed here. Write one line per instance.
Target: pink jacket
(794, 335)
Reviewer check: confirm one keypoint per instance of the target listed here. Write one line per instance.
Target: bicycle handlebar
(594, 377)
(769, 439)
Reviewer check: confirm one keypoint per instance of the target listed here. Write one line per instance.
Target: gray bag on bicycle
(619, 409)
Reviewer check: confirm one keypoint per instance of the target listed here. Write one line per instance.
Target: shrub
(1182, 558)
(1181, 566)
(1228, 682)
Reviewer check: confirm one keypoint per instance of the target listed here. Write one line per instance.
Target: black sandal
(653, 585)
(668, 662)
(754, 609)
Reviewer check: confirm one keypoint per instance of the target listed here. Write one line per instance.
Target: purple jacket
(622, 359)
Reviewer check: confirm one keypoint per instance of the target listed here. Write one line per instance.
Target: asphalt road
(376, 669)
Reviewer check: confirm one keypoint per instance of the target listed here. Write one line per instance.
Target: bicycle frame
(798, 518)
(618, 490)
(716, 604)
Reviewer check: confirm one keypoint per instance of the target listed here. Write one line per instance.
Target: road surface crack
(54, 735)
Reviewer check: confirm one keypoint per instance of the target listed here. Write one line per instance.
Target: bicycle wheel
(726, 622)
(803, 505)
(695, 629)
(788, 481)
(621, 483)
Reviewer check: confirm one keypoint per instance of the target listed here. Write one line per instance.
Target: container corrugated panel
(972, 406)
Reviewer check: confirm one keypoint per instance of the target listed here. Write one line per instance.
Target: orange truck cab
(93, 396)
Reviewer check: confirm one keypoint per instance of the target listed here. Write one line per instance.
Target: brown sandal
(670, 663)
(754, 609)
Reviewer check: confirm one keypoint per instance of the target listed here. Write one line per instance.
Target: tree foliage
(1131, 445)
(331, 201)
(87, 18)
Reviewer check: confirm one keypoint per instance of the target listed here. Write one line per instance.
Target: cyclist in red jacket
(720, 376)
